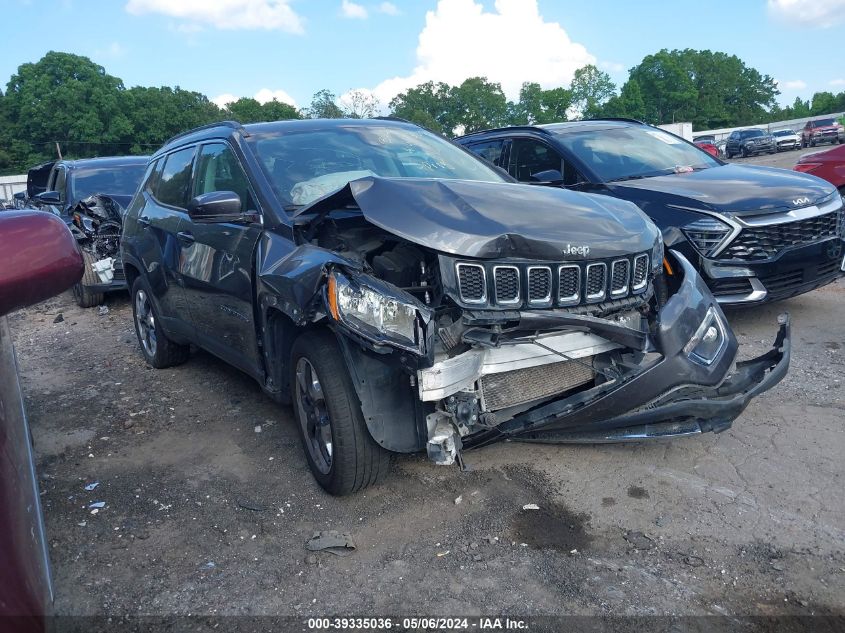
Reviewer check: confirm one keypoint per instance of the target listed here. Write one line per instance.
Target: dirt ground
(208, 502)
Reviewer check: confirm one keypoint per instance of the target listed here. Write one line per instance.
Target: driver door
(216, 264)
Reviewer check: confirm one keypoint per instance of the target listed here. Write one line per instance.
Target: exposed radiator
(511, 388)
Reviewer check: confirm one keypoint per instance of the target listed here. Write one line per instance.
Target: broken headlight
(377, 311)
(707, 235)
(709, 339)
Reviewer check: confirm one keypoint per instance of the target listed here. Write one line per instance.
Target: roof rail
(618, 118)
(230, 124)
(526, 128)
(390, 117)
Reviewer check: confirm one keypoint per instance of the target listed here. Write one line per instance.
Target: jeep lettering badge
(583, 251)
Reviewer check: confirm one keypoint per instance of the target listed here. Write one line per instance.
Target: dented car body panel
(463, 308)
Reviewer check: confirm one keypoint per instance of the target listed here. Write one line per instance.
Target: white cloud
(225, 14)
(809, 13)
(836, 83)
(352, 10)
(795, 84)
(265, 95)
(388, 8)
(262, 96)
(511, 45)
(612, 67)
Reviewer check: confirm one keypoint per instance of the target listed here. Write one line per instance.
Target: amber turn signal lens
(668, 267)
(332, 293)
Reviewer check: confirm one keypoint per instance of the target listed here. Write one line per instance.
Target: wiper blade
(634, 177)
(292, 207)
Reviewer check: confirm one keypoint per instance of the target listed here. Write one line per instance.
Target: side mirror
(216, 206)
(547, 177)
(49, 197)
(40, 258)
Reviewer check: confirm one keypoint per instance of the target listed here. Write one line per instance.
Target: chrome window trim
(483, 298)
(624, 290)
(598, 296)
(641, 286)
(569, 299)
(508, 302)
(547, 300)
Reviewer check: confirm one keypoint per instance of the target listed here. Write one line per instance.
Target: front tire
(341, 453)
(158, 350)
(82, 293)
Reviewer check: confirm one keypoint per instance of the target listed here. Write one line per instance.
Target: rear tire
(85, 298)
(158, 350)
(341, 453)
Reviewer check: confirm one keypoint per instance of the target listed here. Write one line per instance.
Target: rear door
(217, 263)
(165, 198)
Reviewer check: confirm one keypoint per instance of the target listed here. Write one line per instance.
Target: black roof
(224, 129)
(563, 127)
(105, 161)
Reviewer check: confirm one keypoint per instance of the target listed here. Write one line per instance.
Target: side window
(531, 157)
(59, 182)
(218, 169)
(175, 180)
(151, 177)
(490, 151)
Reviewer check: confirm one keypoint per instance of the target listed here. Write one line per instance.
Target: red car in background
(708, 147)
(822, 131)
(828, 165)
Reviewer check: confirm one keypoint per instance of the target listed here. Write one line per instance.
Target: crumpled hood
(735, 189)
(496, 220)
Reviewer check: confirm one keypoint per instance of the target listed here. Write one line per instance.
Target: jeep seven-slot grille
(764, 242)
(539, 285)
(515, 285)
(472, 283)
(506, 279)
(621, 269)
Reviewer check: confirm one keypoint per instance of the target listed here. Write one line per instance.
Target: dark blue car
(754, 233)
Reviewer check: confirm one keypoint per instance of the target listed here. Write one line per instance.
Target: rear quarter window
(175, 180)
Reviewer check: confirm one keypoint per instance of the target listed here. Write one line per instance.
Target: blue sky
(292, 48)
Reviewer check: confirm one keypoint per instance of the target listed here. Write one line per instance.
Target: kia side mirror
(547, 177)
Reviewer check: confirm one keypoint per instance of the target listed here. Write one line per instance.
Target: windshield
(824, 122)
(116, 180)
(635, 152)
(305, 165)
(784, 133)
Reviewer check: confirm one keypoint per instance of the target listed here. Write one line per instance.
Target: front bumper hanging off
(671, 397)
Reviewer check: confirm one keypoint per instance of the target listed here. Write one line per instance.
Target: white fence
(10, 185)
(793, 124)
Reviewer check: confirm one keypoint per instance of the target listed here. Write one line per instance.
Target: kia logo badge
(800, 201)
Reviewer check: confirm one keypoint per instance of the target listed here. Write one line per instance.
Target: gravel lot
(209, 502)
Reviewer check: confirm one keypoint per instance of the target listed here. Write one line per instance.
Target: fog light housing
(709, 339)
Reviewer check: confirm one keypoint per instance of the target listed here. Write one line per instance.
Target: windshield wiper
(634, 177)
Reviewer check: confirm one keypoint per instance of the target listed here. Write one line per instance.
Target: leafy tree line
(71, 100)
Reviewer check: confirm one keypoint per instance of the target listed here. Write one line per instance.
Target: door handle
(186, 237)
(143, 220)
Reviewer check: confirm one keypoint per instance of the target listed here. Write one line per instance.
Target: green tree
(590, 88)
(823, 103)
(360, 104)
(324, 106)
(427, 104)
(537, 106)
(478, 104)
(668, 91)
(246, 110)
(628, 103)
(156, 114)
(66, 98)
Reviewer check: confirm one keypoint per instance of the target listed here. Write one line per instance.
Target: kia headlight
(378, 311)
(707, 234)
